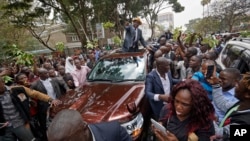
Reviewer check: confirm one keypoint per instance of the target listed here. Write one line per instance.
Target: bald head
(42, 70)
(158, 54)
(67, 125)
(165, 49)
(162, 65)
(43, 73)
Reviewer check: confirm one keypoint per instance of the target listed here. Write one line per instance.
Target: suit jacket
(58, 87)
(129, 38)
(154, 86)
(109, 131)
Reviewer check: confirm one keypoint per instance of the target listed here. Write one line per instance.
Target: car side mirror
(132, 108)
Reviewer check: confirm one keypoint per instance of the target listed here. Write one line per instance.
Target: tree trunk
(152, 32)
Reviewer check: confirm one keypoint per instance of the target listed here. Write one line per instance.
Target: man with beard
(239, 114)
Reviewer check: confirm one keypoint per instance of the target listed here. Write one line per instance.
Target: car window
(231, 56)
(244, 66)
(125, 68)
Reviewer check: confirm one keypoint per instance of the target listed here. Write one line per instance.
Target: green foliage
(21, 57)
(7, 79)
(108, 25)
(117, 40)
(60, 46)
(204, 26)
(189, 36)
(92, 44)
(177, 7)
(176, 33)
(230, 12)
(210, 41)
(245, 34)
(22, 14)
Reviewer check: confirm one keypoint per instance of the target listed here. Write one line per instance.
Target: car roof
(243, 42)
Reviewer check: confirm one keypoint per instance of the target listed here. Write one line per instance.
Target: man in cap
(133, 36)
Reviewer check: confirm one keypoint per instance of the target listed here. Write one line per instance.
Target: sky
(193, 9)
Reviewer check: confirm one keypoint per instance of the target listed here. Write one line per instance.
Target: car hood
(103, 101)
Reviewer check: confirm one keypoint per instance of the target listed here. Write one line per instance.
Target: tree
(26, 14)
(203, 3)
(230, 11)
(151, 11)
(207, 25)
(191, 26)
(80, 15)
(204, 26)
(11, 34)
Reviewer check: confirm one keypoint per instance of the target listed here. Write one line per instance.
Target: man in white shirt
(158, 85)
(53, 88)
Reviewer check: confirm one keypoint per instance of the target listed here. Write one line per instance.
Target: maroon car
(114, 91)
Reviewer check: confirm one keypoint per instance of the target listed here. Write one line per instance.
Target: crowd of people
(188, 93)
(25, 101)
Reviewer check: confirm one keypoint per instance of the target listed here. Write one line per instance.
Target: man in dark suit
(133, 36)
(50, 86)
(158, 85)
(68, 125)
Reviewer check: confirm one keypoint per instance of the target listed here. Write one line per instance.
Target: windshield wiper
(91, 80)
(123, 80)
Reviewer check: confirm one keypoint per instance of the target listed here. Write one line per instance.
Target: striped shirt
(11, 114)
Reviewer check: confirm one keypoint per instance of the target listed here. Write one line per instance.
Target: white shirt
(166, 85)
(49, 88)
(136, 34)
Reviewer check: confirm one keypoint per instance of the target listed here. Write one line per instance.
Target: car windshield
(119, 69)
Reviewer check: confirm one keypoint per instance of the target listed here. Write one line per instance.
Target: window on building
(74, 38)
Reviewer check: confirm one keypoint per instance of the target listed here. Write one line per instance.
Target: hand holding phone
(210, 71)
(158, 126)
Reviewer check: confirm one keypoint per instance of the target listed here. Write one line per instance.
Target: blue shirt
(229, 96)
(200, 77)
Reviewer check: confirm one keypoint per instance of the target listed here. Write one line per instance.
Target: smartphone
(158, 126)
(210, 71)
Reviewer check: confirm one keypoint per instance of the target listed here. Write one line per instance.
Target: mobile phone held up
(210, 71)
(158, 126)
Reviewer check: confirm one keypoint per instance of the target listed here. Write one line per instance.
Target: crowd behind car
(188, 96)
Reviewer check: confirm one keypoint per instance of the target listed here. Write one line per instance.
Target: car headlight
(134, 127)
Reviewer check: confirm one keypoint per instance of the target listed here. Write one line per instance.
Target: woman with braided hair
(239, 114)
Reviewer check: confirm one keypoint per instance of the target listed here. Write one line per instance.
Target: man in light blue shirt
(224, 98)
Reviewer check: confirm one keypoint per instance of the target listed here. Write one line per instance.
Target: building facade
(166, 19)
